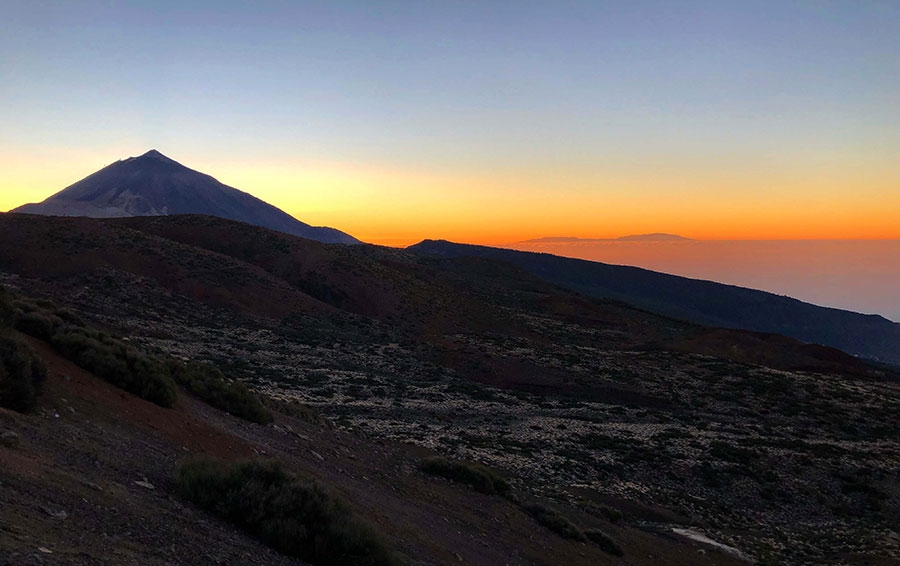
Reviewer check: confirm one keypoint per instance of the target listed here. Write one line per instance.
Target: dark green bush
(35, 324)
(209, 384)
(480, 478)
(612, 515)
(117, 363)
(68, 317)
(7, 309)
(295, 517)
(21, 375)
(553, 520)
(604, 541)
(291, 408)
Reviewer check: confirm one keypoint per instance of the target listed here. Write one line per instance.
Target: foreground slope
(91, 480)
(783, 450)
(704, 302)
(152, 185)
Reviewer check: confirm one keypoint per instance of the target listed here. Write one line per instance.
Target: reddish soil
(69, 493)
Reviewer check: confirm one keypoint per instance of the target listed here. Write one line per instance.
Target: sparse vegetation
(7, 311)
(291, 408)
(117, 363)
(36, 324)
(295, 517)
(127, 367)
(604, 541)
(480, 478)
(110, 359)
(209, 384)
(554, 520)
(21, 375)
(614, 516)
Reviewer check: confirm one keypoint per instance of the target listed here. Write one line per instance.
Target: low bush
(117, 363)
(21, 375)
(480, 478)
(553, 520)
(35, 324)
(209, 384)
(68, 317)
(7, 310)
(297, 518)
(612, 515)
(291, 408)
(604, 541)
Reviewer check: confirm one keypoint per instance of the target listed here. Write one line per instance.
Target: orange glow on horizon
(398, 207)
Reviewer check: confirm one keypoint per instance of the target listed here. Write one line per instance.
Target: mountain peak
(155, 154)
(153, 185)
(152, 154)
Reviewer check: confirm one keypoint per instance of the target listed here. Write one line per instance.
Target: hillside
(90, 479)
(703, 302)
(154, 185)
(643, 426)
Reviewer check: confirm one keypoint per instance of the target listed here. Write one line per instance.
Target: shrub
(291, 408)
(604, 541)
(295, 517)
(209, 384)
(612, 515)
(480, 478)
(21, 375)
(7, 309)
(553, 520)
(35, 324)
(69, 317)
(117, 363)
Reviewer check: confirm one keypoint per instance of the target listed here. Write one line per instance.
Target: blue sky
(578, 100)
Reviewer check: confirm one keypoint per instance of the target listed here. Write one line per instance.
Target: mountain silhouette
(703, 302)
(654, 237)
(155, 185)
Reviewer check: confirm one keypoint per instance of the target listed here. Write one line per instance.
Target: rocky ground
(746, 446)
(89, 479)
(783, 467)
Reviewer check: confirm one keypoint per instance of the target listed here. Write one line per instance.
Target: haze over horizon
(855, 275)
(476, 122)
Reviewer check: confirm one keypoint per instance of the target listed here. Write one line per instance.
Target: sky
(476, 121)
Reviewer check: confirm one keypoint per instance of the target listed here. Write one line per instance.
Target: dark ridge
(704, 302)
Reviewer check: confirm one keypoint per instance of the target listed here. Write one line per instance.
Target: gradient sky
(480, 121)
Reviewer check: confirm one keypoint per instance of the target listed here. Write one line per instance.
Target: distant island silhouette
(654, 237)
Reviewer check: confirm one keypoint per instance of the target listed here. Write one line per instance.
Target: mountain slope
(703, 302)
(154, 185)
(579, 401)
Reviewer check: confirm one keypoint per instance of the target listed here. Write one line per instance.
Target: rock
(60, 514)
(317, 455)
(144, 483)
(92, 485)
(9, 439)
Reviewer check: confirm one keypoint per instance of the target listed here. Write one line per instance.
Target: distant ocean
(856, 275)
